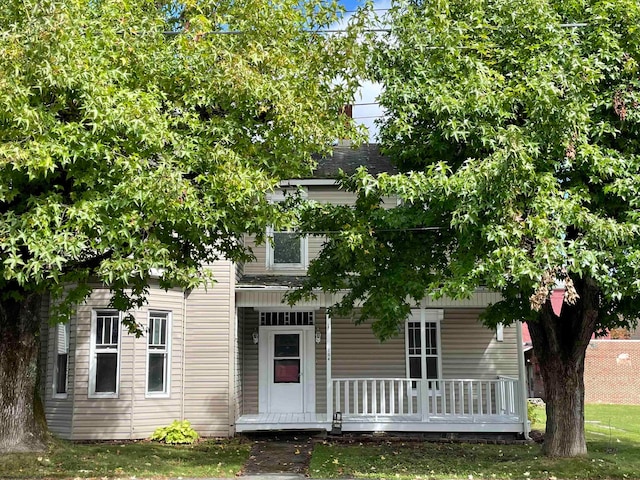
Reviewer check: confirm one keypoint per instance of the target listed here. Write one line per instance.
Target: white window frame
(424, 317)
(61, 336)
(166, 393)
(279, 196)
(95, 350)
(271, 263)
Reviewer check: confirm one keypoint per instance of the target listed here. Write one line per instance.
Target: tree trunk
(20, 429)
(560, 344)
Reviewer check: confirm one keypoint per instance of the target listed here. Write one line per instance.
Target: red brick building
(611, 370)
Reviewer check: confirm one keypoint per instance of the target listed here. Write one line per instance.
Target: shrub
(177, 432)
(533, 414)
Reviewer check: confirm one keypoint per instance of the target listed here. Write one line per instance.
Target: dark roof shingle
(348, 159)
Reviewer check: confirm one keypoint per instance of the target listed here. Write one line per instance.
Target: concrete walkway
(263, 476)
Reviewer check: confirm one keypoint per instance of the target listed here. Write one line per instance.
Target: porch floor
(380, 423)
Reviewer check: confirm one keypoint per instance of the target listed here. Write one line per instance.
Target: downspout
(185, 296)
(73, 318)
(133, 380)
(232, 343)
(523, 382)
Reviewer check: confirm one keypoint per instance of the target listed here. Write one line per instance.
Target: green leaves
(516, 131)
(179, 432)
(125, 149)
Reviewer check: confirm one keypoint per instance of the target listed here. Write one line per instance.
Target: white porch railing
(427, 398)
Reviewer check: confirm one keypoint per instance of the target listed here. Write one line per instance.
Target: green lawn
(209, 458)
(613, 434)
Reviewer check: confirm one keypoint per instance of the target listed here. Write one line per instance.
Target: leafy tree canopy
(516, 124)
(143, 134)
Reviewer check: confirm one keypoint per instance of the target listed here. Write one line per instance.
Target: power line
(339, 30)
(372, 10)
(373, 230)
(563, 25)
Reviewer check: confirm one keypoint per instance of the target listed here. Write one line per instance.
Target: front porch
(443, 373)
(396, 405)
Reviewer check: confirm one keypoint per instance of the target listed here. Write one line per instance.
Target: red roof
(526, 337)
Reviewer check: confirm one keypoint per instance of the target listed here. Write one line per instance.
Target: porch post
(424, 387)
(522, 382)
(327, 337)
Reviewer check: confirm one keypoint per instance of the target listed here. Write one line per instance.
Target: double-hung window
(423, 348)
(61, 365)
(105, 355)
(158, 350)
(285, 249)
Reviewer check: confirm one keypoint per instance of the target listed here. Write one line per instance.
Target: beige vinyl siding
(58, 411)
(239, 372)
(149, 411)
(356, 352)
(259, 265)
(321, 363)
(100, 418)
(330, 194)
(333, 195)
(470, 350)
(132, 414)
(249, 362)
(209, 354)
(324, 194)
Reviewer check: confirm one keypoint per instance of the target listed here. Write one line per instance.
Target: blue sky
(351, 4)
(367, 114)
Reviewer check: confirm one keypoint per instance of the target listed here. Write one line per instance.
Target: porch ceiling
(268, 290)
(266, 281)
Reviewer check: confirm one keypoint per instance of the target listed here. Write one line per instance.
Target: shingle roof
(348, 159)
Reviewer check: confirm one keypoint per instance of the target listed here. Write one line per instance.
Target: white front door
(287, 370)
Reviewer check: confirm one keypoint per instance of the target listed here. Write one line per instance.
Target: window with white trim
(61, 362)
(423, 351)
(285, 249)
(286, 318)
(158, 349)
(105, 358)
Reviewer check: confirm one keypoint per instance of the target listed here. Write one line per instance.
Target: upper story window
(104, 368)
(285, 249)
(158, 350)
(61, 365)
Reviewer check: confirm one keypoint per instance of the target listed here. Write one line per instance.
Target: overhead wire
(342, 30)
(339, 30)
(407, 229)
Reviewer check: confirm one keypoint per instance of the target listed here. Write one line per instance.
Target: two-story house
(235, 358)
